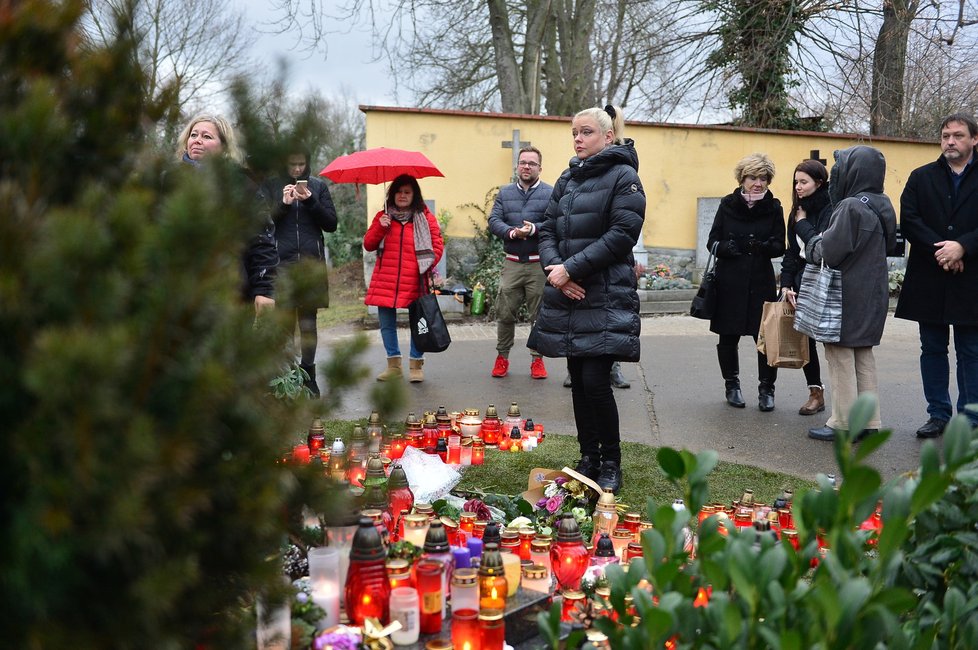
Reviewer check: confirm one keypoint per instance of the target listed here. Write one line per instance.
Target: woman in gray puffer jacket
(861, 230)
(590, 310)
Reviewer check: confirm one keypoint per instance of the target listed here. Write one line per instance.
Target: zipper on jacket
(400, 259)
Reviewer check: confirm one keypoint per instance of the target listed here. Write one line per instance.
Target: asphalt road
(676, 398)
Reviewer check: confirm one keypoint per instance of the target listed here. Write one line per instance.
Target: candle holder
(478, 451)
(465, 589)
(324, 578)
(316, 439)
(470, 423)
(568, 556)
(465, 629)
(406, 610)
(536, 577)
(431, 590)
(620, 539)
(492, 629)
(416, 529)
(367, 588)
(491, 427)
(513, 570)
(527, 535)
(375, 432)
(399, 494)
(398, 445)
(493, 586)
(572, 606)
(399, 573)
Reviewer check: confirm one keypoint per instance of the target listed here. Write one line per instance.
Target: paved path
(676, 397)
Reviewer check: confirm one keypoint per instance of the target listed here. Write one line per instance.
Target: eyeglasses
(527, 163)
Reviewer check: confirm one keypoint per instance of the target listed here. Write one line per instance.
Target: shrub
(913, 586)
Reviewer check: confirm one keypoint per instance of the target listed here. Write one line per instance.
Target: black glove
(728, 248)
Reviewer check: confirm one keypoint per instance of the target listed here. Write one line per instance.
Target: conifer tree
(140, 502)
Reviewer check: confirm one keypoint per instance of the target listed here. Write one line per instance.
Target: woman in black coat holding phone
(747, 233)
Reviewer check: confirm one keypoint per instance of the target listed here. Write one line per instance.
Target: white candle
(327, 598)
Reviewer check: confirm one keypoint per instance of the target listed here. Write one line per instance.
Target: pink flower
(554, 503)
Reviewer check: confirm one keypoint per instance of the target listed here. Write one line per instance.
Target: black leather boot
(765, 396)
(610, 475)
(589, 466)
(310, 369)
(730, 369)
(765, 387)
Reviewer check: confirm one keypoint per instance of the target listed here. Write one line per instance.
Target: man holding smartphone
(517, 210)
(303, 214)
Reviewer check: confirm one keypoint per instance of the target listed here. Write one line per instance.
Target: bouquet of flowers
(560, 496)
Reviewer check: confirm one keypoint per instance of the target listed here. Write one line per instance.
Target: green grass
(507, 472)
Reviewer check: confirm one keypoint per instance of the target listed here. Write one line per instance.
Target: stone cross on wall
(515, 144)
(813, 155)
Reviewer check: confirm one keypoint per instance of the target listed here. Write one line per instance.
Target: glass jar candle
(536, 578)
(451, 530)
(569, 558)
(367, 588)
(540, 553)
(632, 551)
(398, 444)
(492, 427)
(527, 535)
(478, 451)
(465, 629)
(509, 541)
(405, 610)
(513, 569)
(465, 589)
(620, 539)
(399, 573)
(492, 629)
(416, 528)
(632, 522)
(466, 521)
(479, 528)
(431, 595)
(573, 602)
(465, 451)
(493, 587)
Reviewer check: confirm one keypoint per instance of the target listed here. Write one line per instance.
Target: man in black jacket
(939, 216)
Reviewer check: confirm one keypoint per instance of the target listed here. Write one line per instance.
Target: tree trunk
(889, 67)
(513, 96)
(537, 12)
(568, 68)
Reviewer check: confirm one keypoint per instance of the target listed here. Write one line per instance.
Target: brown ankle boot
(416, 374)
(393, 370)
(815, 403)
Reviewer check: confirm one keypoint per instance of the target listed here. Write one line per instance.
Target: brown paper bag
(778, 340)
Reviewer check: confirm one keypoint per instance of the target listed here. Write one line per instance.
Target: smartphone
(302, 183)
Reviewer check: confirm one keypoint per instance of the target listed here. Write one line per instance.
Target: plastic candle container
(405, 609)
(536, 578)
(465, 629)
(465, 589)
(492, 630)
(416, 529)
(513, 568)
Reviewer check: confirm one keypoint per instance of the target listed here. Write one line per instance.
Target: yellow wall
(678, 163)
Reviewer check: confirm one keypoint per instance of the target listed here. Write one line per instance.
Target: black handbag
(704, 304)
(429, 333)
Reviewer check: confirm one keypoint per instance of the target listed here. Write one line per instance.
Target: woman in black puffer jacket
(590, 310)
(747, 233)
(809, 216)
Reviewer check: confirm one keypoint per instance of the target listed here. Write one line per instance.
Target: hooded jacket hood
(857, 170)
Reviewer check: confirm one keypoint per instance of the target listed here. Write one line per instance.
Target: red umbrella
(379, 165)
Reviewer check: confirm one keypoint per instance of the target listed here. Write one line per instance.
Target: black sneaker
(589, 467)
(933, 428)
(610, 476)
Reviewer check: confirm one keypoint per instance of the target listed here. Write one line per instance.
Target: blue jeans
(935, 369)
(388, 333)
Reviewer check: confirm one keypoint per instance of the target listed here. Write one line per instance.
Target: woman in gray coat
(861, 230)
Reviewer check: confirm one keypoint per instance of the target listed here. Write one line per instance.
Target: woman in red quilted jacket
(408, 242)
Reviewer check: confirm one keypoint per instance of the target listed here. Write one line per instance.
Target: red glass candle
(441, 449)
(503, 443)
(399, 573)
(492, 427)
(632, 551)
(367, 590)
(300, 454)
(510, 542)
(465, 629)
(632, 522)
(527, 535)
(398, 444)
(399, 494)
(478, 451)
(572, 600)
(569, 558)
(479, 528)
(432, 595)
(792, 536)
(429, 431)
(454, 455)
(466, 522)
(451, 530)
(493, 585)
(492, 630)
(316, 440)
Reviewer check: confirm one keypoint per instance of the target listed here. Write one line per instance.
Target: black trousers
(765, 373)
(595, 409)
(308, 334)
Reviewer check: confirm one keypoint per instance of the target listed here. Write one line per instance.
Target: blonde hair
(758, 165)
(224, 131)
(603, 117)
